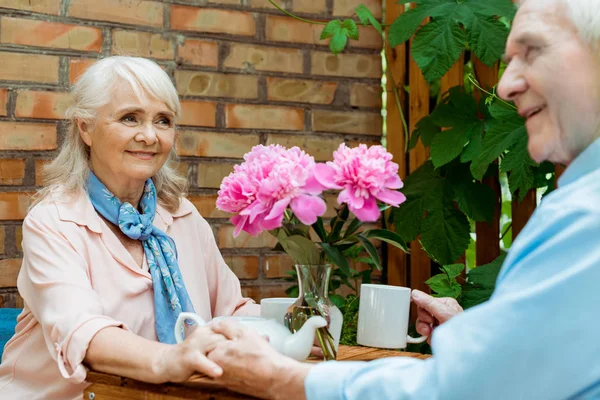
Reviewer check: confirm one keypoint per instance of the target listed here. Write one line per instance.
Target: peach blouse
(77, 278)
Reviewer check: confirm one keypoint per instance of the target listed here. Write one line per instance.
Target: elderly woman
(537, 337)
(113, 252)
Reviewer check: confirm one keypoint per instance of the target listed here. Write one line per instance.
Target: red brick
(19, 238)
(142, 44)
(264, 4)
(198, 52)
(276, 266)
(136, 12)
(13, 205)
(346, 8)
(210, 175)
(264, 117)
(207, 206)
(364, 95)
(212, 20)
(350, 65)
(368, 38)
(9, 271)
(244, 267)
(355, 143)
(212, 144)
(2, 240)
(42, 104)
(197, 113)
(310, 6)
(286, 29)
(28, 67)
(301, 91)
(321, 148)
(39, 171)
(38, 6)
(77, 66)
(257, 293)
(347, 122)
(30, 32)
(27, 136)
(226, 239)
(12, 171)
(263, 58)
(3, 101)
(210, 84)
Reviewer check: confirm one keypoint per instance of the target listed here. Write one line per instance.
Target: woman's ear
(84, 131)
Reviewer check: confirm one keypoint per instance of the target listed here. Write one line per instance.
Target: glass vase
(313, 299)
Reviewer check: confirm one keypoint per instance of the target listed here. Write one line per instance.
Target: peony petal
(239, 221)
(308, 208)
(325, 175)
(312, 186)
(278, 209)
(347, 196)
(391, 197)
(394, 182)
(269, 224)
(369, 212)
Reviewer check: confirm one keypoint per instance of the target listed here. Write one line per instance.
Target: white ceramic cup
(383, 317)
(275, 308)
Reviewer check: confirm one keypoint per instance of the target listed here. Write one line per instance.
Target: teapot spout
(299, 345)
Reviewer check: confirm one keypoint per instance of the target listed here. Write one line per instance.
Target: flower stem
(396, 93)
(296, 17)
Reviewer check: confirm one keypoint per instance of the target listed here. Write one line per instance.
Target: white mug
(383, 317)
(275, 308)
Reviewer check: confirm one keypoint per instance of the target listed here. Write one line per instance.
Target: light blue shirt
(537, 338)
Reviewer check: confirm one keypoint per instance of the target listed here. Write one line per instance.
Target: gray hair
(585, 18)
(67, 174)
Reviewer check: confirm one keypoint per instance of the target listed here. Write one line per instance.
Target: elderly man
(537, 337)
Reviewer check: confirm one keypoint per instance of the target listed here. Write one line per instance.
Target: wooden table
(110, 387)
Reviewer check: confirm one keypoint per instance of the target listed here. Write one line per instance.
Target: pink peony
(366, 174)
(270, 179)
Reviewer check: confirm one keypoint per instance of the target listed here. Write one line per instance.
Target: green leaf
(407, 23)
(449, 144)
(353, 227)
(320, 229)
(292, 291)
(444, 286)
(365, 16)
(502, 8)
(338, 42)
(487, 38)
(481, 282)
(474, 199)
(338, 300)
(453, 270)
(437, 47)
(387, 236)
(351, 27)
(371, 250)
(337, 257)
(445, 234)
(408, 218)
(426, 129)
(519, 166)
(472, 149)
(331, 28)
(502, 132)
(301, 249)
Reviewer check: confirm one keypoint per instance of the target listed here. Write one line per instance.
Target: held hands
(178, 362)
(433, 311)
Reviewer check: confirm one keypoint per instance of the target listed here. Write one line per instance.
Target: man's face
(554, 79)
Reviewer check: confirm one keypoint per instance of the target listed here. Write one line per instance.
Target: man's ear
(84, 131)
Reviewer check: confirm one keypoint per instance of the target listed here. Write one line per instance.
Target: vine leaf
(331, 28)
(366, 17)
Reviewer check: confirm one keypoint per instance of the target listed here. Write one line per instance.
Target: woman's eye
(129, 119)
(165, 122)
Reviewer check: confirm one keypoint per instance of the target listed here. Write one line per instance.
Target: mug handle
(412, 340)
(179, 324)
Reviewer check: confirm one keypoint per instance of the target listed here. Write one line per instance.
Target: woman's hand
(433, 311)
(252, 366)
(177, 363)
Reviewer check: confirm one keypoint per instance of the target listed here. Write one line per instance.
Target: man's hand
(433, 311)
(252, 366)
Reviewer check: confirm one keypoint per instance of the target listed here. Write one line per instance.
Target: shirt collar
(586, 162)
(80, 210)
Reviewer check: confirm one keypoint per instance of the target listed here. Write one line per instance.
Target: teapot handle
(179, 324)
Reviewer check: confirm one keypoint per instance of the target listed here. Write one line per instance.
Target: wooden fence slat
(521, 211)
(397, 259)
(420, 265)
(488, 243)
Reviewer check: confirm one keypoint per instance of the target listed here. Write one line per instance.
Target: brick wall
(246, 75)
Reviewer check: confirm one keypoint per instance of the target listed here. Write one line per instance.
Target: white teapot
(294, 345)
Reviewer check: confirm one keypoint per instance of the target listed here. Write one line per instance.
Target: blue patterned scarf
(170, 296)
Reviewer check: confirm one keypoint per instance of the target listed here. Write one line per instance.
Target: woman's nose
(147, 134)
(512, 83)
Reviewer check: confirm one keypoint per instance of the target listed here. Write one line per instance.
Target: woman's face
(130, 140)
